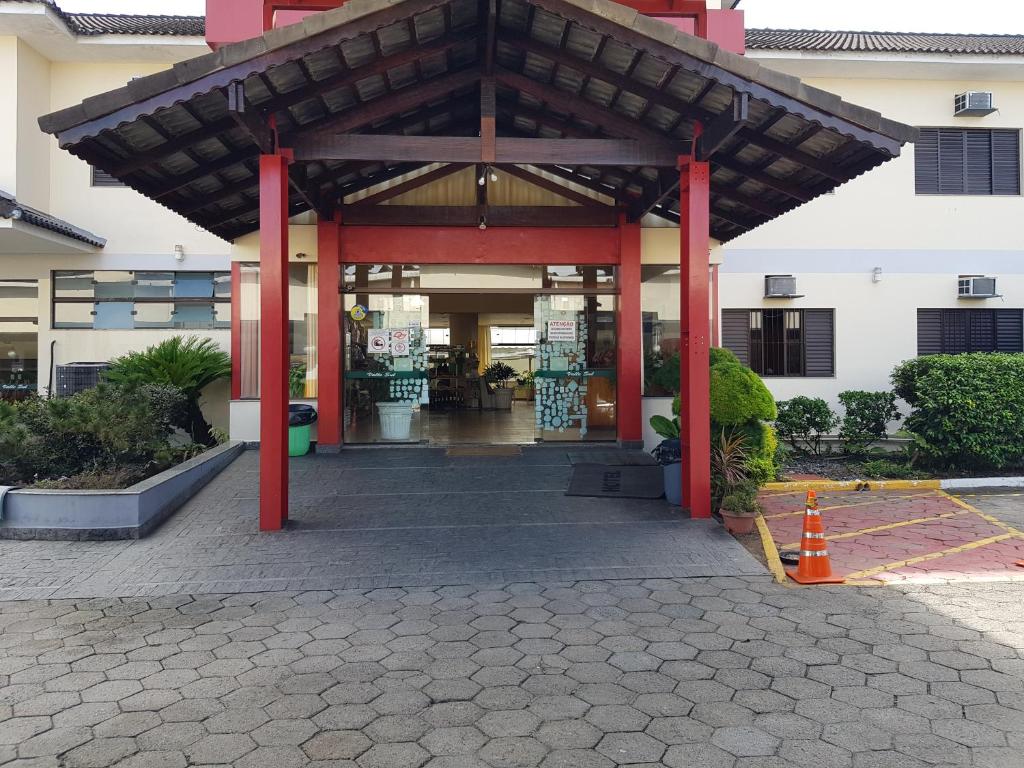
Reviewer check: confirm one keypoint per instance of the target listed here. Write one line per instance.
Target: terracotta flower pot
(738, 524)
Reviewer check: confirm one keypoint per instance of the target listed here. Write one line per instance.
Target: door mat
(485, 450)
(612, 457)
(617, 481)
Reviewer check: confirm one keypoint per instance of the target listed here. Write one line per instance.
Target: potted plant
(297, 379)
(497, 375)
(395, 418)
(524, 386)
(668, 453)
(740, 507)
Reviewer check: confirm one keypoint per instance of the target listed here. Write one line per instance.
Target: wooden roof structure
(588, 91)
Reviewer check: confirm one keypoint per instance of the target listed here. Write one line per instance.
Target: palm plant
(188, 363)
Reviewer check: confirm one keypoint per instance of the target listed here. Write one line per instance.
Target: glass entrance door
(575, 379)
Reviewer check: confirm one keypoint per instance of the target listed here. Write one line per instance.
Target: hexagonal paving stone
(569, 734)
(513, 752)
(462, 740)
(336, 745)
(631, 748)
(394, 756)
(745, 741)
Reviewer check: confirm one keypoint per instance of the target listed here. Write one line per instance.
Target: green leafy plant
(968, 410)
(742, 500)
(110, 430)
(665, 427)
(729, 459)
(526, 378)
(297, 379)
(866, 419)
(499, 374)
(887, 469)
(738, 395)
(188, 363)
(804, 421)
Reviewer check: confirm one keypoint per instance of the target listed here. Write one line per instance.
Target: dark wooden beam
(468, 215)
(490, 36)
(407, 186)
(779, 185)
(612, 122)
(668, 101)
(721, 129)
(249, 119)
(488, 124)
(390, 105)
(508, 150)
(665, 187)
(550, 186)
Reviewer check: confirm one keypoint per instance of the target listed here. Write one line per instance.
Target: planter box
(130, 513)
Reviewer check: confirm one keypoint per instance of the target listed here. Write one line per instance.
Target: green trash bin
(300, 426)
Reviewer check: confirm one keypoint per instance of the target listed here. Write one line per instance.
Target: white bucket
(395, 420)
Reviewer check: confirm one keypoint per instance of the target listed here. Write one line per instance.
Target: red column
(273, 342)
(236, 330)
(328, 336)
(695, 415)
(629, 377)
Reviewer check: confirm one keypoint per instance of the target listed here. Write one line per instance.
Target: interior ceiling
(563, 70)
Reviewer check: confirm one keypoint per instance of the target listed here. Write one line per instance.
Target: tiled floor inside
(886, 536)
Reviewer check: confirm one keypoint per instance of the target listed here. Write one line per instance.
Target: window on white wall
(967, 161)
(782, 342)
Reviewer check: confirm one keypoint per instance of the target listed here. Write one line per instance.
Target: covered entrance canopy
(653, 120)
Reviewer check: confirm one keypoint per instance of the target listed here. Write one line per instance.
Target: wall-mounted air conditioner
(976, 287)
(780, 287)
(973, 104)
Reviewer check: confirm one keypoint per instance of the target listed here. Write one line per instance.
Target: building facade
(92, 269)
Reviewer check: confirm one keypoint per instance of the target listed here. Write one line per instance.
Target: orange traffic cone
(814, 566)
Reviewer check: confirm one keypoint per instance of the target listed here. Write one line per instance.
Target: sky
(980, 16)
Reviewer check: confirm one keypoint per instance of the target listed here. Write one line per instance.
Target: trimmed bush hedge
(968, 410)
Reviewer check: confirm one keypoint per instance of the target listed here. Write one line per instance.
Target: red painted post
(328, 335)
(236, 330)
(273, 342)
(629, 377)
(695, 415)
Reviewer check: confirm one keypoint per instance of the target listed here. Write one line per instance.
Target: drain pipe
(49, 383)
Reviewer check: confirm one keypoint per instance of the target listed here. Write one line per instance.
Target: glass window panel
(155, 314)
(193, 315)
(221, 315)
(113, 314)
(154, 285)
(193, 285)
(72, 285)
(111, 284)
(222, 285)
(659, 301)
(72, 315)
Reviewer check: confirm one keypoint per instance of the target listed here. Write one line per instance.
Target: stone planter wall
(131, 513)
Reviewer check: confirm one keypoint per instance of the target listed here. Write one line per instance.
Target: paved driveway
(691, 673)
(385, 517)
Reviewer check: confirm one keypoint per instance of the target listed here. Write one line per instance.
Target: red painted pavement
(947, 525)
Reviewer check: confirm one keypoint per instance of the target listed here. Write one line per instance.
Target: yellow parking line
(873, 529)
(771, 552)
(931, 556)
(994, 520)
(855, 504)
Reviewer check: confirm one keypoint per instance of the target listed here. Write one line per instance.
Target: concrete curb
(129, 513)
(947, 484)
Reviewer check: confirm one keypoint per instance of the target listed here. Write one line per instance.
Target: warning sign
(378, 341)
(561, 330)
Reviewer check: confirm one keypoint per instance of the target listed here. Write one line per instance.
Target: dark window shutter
(1009, 324)
(951, 161)
(1006, 162)
(929, 331)
(982, 330)
(926, 162)
(819, 342)
(954, 331)
(978, 163)
(104, 179)
(736, 333)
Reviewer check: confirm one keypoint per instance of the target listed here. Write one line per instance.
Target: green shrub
(188, 363)
(866, 419)
(968, 410)
(803, 421)
(719, 355)
(886, 469)
(111, 428)
(738, 395)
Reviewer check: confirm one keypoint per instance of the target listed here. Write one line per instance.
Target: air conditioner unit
(973, 104)
(780, 287)
(77, 377)
(976, 287)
